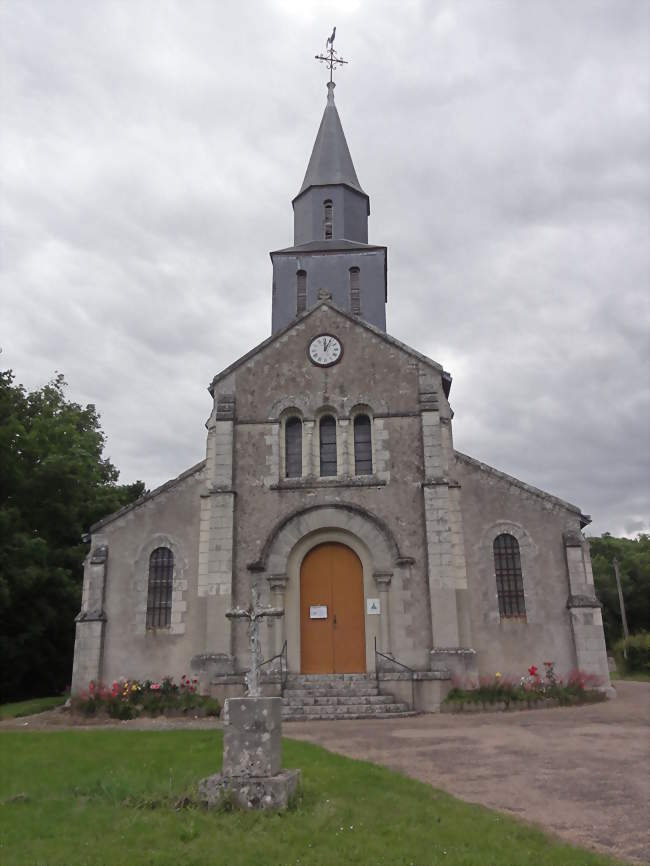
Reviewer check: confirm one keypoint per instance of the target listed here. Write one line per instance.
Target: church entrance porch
(332, 620)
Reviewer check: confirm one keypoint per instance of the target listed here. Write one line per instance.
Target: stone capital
(277, 582)
(382, 579)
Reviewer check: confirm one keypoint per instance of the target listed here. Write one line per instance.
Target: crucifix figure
(254, 613)
(330, 58)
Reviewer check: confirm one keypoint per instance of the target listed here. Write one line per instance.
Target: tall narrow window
(159, 594)
(362, 446)
(510, 585)
(327, 220)
(293, 448)
(355, 291)
(327, 445)
(301, 291)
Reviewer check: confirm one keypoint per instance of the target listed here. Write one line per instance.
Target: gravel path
(580, 772)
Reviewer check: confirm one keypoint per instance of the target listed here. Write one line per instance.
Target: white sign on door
(318, 611)
(373, 606)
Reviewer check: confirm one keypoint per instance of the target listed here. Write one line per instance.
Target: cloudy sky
(149, 152)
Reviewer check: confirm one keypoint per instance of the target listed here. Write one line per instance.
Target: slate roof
(335, 245)
(330, 162)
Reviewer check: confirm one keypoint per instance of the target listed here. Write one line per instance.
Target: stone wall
(492, 503)
(168, 518)
(383, 379)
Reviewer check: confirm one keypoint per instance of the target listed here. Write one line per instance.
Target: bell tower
(330, 233)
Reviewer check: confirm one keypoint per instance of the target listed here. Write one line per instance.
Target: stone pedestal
(252, 758)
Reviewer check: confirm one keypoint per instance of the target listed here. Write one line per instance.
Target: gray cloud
(149, 153)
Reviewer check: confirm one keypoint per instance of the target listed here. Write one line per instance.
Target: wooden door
(332, 623)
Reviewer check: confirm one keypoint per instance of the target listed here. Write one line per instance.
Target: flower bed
(499, 693)
(128, 699)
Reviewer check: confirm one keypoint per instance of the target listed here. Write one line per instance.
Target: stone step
(330, 678)
(335, 711)
(331, 693)
(317, 717)
(335, 700)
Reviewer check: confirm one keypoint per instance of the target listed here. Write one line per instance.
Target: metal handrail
(400, 664)
(284, 665)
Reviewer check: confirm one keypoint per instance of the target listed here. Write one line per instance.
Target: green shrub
(637, 650)
(212, 707)
(121, 710)
(127, 699)
(577, 687)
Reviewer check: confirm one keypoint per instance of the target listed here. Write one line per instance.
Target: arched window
(159, 595)
(327, 445)
(510, 585)
(362, 446)
(355, 291)
(301, 291)
(327, 218)
(293, 448)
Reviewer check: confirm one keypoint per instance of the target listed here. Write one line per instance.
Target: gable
(317, 320)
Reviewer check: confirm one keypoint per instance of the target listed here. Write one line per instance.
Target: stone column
(90, 621)
(585, 611)
(216, 530)
(444, 532)
(383, 579)
(277, 585)
(308, 449)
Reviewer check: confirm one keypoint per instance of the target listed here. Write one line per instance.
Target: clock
(325, 350)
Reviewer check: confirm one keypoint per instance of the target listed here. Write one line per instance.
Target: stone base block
(252, 737)
(249, 792)
(460, 662)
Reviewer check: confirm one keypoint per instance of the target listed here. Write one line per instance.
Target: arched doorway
(332, 622)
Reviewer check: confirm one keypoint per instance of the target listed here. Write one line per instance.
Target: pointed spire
(330, 161)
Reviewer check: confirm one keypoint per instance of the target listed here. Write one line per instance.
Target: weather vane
(330, 58)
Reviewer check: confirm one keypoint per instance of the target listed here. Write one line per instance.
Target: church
(397, 566)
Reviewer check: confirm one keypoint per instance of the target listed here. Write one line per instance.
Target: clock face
(325, 350)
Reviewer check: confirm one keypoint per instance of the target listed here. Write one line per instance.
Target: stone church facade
(332, 482)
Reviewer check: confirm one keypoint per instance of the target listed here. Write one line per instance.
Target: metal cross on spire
(330, 57)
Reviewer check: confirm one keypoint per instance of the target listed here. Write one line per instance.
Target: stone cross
(254, 613)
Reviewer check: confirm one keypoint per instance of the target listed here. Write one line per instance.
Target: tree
(54, 483)
(633, 556)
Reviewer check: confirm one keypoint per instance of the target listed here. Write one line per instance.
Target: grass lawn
(93, 798)
(28, 708)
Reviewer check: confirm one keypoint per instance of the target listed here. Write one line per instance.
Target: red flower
(532, 670)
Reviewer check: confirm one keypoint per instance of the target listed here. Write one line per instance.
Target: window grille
(510, 585)
(159, 596)
(301, 291)
(328, 446)
(355, 291)
(293, 448)
(327, 205)
(362, 445)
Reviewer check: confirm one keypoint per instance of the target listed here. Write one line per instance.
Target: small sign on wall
(373, 606)
(318, 611)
